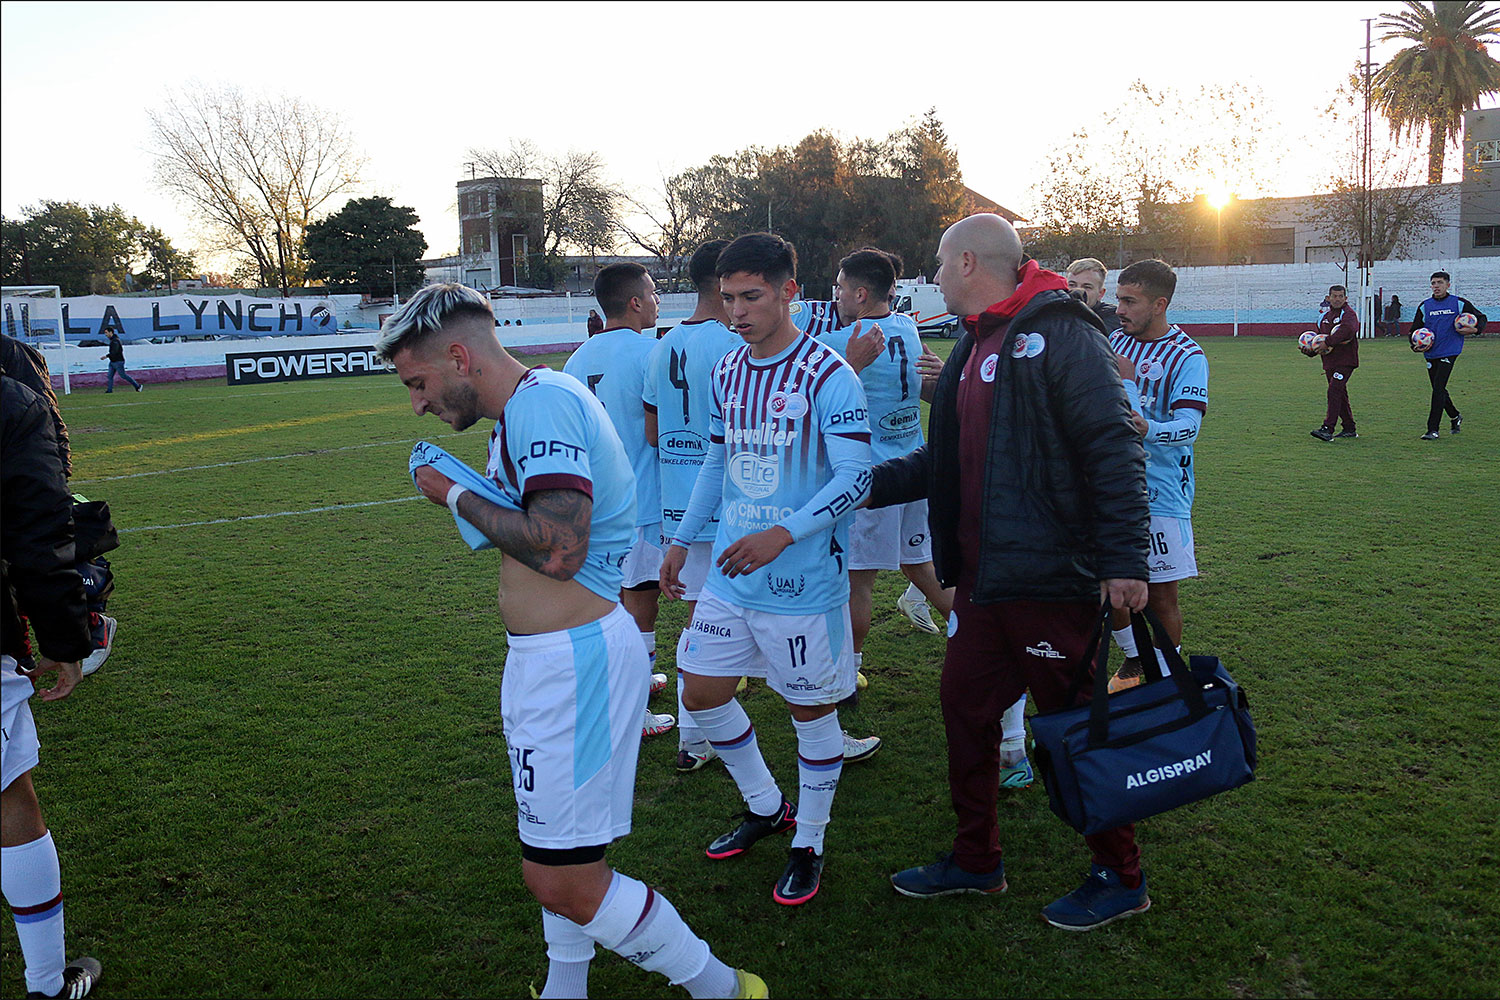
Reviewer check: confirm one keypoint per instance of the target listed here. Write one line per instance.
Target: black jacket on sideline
(37, 574)
(26, 365)
(1111, 317)
(1066, 474)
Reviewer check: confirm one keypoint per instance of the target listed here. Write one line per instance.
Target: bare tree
(254, 170)
(580, 207)
(678, 222)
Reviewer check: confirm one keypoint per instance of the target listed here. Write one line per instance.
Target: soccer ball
(1421, 340)
(1305, 342)
(1319, 344)
(1466, 321)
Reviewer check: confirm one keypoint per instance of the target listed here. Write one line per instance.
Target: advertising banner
(197, 317)
(296, 364)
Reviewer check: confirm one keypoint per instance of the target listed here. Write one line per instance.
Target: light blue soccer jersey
(613, 365)
(1170, 373)
(815, 317)
(893, 386)
(553, 434)
(790, 438)
(679, 390)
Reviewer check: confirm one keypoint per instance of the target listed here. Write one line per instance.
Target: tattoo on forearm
(550, 536)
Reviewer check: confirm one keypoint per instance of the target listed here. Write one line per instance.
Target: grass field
(289, 779)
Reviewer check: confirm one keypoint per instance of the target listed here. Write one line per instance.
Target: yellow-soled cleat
(860, 680)
(752, 987)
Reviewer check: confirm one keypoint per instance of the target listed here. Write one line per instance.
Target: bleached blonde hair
(426, 313)
(1089, 264)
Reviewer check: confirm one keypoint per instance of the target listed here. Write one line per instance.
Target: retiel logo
(1044, 649)
(754, 475)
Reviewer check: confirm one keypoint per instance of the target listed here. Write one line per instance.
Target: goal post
(30, 312)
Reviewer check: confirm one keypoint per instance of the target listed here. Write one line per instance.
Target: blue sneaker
(944, 878)
(1102, 899)
(1017, 776)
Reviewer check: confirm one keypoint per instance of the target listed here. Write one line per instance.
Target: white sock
(649, 638)
(728, 728)
(859, 661)
(31, 880)
(569, 952)
(820, 761)
(641, 926)
(689, 736)
(1013, 726)
(1125, 639)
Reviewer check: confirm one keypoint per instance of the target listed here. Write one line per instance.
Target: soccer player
(1171, 381)
(576, 674)
(788, 460)
(1340, 328)
(1086, 281)
(1440, 314)
(612, 363)
(675, 397)
(37, 578)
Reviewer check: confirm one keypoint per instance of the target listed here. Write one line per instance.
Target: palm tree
(1430, 84)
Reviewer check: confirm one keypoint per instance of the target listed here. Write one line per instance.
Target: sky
(655, 88)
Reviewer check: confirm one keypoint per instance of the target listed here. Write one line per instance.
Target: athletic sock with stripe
(729, 730)
(32, 882)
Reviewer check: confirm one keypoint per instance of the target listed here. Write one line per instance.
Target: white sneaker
(914, 606)
(692, 758)
(856, 749)
(655, 724)
(658, 682)
(96, 659)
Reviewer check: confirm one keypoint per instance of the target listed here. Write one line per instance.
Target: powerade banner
(294, 365)
(91, 317)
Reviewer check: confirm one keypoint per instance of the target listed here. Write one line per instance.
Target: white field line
(258, 517)
(266, 458)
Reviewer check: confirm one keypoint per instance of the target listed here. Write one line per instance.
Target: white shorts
(807, 659)
(643, 563)
(890, 537)
(571, 703)
(19, 747)
(700, 559)
(1172, 556)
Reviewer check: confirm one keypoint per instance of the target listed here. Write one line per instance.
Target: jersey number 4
(677, 375)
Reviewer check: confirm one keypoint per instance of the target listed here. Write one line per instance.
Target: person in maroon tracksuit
(1340, 352)
(1036, 481)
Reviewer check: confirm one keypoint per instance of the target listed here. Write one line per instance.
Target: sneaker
(860, 680)
(658, 682)
(78, 978)
(800, 881)
(857, 749)
(1102, 899)
(1128, 676)
(139, 388)
(749, 986)
(691, 760)
(1017, 775)
(101, 652)
(742, 686)
(1455, 425)
(944, 878)
(1322, 434)
(916, 610)
(753, 828)
(1430, 436)
(1347, 433)
(655, 724)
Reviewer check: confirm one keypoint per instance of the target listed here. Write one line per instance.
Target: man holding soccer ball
(1449, 318)
(1339, 329)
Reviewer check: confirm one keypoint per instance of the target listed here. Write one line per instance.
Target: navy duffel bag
(1162, 744)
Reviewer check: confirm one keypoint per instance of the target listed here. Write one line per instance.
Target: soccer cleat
(1128, 676)
(692, 760)
(78, 978)
(860, 680)
(857, 749)
(658, 682)
(917, 612)
(801, 879)
(96, 659)
(1017, 775)
(1347, 433)
(1322, 434)
(742, 686)
(1103, 898)
(1430, 436)
(655, 724)
(1455, 425)
(753, 828)
(749, 986)
(944, 878)
(139, 388)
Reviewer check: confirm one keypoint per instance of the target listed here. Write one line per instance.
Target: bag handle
(1181, 675)
(1097, 654)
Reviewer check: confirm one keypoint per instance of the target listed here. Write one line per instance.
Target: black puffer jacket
(37, 574)
(26, 365)
(1066, 474)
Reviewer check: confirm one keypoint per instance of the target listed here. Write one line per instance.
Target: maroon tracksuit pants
(1338, 398)
(997, 652)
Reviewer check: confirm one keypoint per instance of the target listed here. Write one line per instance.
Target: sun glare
(1219, 197)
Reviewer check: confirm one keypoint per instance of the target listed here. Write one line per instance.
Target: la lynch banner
(92, 317)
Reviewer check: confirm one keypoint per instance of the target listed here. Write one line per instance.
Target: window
(1487, 236)
(1487, 151)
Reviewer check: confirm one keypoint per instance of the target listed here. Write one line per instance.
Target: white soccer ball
(1421, 339)
(1466, 321)
(1305, 342)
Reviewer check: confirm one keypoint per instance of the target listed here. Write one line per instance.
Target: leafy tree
(580, 206)
(164, 263)
(255, 171)
(356, 246)
(84, 249)
(1445, 72)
